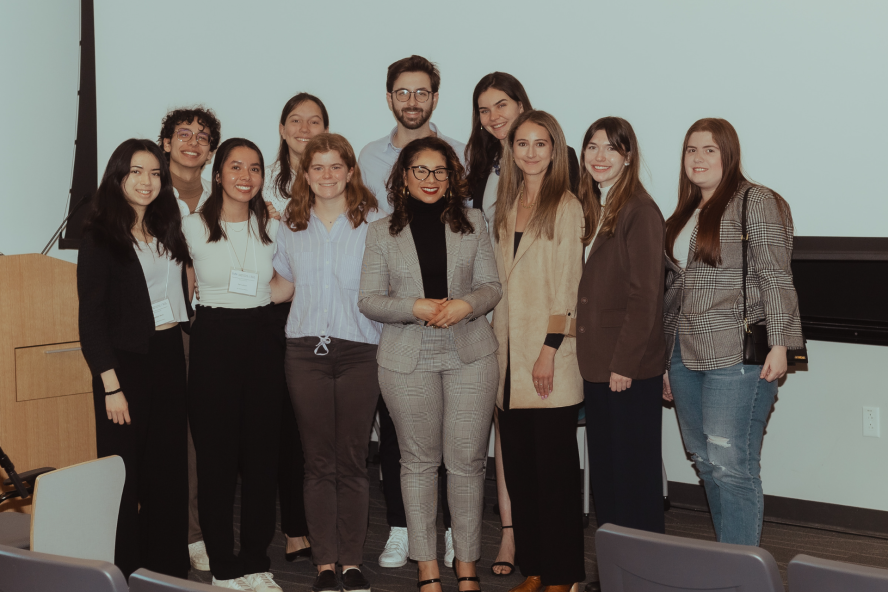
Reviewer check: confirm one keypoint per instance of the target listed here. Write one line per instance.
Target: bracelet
(114, 392)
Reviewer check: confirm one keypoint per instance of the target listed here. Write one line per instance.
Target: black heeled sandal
(511, 566)
(419, 585)
(465, 579)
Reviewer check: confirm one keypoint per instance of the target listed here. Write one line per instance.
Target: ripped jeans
(722, 414)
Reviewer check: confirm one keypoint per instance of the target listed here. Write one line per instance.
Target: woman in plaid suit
(723, 404)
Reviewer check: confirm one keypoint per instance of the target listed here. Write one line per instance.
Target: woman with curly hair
(429, 276)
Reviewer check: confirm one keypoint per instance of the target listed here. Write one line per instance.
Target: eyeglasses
(422, 173)
(403, 95)
(185, 135)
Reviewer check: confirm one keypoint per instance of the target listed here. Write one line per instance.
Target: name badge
(163, 312)
(243, 282)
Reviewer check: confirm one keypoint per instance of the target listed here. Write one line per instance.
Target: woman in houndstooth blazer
(722, 404)
(429, 276)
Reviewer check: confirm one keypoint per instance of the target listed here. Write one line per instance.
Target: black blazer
(476, 190)
(115, 308)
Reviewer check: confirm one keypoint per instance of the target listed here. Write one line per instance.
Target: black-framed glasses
(422, 173)
(403, 95)
(185, 135)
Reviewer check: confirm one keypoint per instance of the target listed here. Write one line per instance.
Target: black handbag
(755, 336)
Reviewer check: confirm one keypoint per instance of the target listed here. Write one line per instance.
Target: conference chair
(74, 512)
(638, 561)
(811, 574)
(28, 571)
(143, 580)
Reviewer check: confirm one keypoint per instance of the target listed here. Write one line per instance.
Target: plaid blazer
(391, 282)
(704, 304)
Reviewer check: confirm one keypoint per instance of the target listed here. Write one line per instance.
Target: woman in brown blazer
(538, 225)
(620, 345)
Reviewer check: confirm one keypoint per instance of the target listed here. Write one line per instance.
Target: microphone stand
(62, 226)
(13, 476)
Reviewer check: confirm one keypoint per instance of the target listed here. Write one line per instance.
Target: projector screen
(804, 83)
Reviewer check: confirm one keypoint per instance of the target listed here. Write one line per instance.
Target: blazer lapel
(454, 241)
(599, 240)
(405, 243)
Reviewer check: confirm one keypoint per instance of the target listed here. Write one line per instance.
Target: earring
(625, 164)
(406, 193)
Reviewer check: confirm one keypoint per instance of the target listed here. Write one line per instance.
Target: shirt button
(583, 300)
(582, 329)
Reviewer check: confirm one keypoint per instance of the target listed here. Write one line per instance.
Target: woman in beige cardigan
(538, 226)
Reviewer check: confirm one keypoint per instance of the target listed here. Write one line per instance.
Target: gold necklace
(523, 200)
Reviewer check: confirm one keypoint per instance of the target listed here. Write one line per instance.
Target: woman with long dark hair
(331, 351)
(620, 346)
(303, 117)
(236, 372)
(537, 226)
(723, 404)
(131, 290)
(429, 276)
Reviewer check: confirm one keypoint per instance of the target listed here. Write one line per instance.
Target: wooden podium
(46, 408)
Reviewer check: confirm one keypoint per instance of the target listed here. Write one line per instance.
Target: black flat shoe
(304, 552)
(326, 582)
(353, 580)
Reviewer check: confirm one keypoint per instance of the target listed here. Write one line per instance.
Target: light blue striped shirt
(325, 267)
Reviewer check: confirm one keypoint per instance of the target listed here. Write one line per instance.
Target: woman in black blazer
(498, 100)
(130, 286)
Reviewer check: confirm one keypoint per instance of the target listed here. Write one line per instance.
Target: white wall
(803, 82)
(39, 69)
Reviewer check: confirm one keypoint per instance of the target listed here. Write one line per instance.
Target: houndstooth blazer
(391, 282)
(704, 304)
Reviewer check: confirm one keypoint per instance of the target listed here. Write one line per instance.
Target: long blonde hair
(556, 182)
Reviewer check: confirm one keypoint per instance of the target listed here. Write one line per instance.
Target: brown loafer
(531, 584)
(562, 588)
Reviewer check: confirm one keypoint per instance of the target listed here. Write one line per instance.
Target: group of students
(323, 280)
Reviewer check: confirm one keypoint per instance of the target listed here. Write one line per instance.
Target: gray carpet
(783, 541)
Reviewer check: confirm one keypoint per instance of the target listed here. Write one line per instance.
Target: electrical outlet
(871, 422)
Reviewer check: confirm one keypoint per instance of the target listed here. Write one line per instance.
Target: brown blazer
(539, 286)
(620, 299)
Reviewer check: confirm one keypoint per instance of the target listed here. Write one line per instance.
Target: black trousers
(625, 456)
(291, 461)
(542, 469)
(152, 525)
(390, 461)
(235, 384)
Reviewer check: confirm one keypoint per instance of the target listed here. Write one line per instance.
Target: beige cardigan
(540, 281)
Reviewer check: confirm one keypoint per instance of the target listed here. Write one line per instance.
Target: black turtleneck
(431, 245)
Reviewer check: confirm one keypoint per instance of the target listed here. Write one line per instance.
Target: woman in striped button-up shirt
(723, 404)
(331, 350)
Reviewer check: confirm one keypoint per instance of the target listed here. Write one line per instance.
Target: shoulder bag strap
(745, 240)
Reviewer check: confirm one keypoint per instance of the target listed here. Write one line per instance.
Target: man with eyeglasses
(412, 95)
(189, 137)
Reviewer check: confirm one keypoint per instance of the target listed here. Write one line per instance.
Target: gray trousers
(442, 409)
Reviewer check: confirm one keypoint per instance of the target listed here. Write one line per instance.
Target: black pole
(7, 465)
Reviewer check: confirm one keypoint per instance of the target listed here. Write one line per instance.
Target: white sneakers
(395, 552)
(199, 559)
(234, 584)
(448, 548)
(257, 582)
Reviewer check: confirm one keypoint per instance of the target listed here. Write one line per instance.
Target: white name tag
(243, 282)
(163, 312)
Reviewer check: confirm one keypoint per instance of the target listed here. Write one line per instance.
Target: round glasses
(185, 135)
(403, 95)
(422, 173)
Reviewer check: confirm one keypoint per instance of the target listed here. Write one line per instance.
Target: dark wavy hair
(483, 148)
(211, 212)
(204, 117)
(112, 217)
(414, 63)
(454, 214)
(283, 179)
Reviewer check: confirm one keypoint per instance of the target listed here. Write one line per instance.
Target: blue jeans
(722, 414)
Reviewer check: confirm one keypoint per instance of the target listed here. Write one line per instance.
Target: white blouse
(682, 247)
(164, 278)
(214, 262)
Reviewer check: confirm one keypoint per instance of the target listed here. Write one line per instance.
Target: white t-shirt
(604, 192)
(213, 262)
(682, 247)
(164, 278)
(183, 207)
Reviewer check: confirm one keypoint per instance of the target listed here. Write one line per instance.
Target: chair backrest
(27, 571)
(635, 561)
(75, 509)
(810, 574)
(143, 580)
